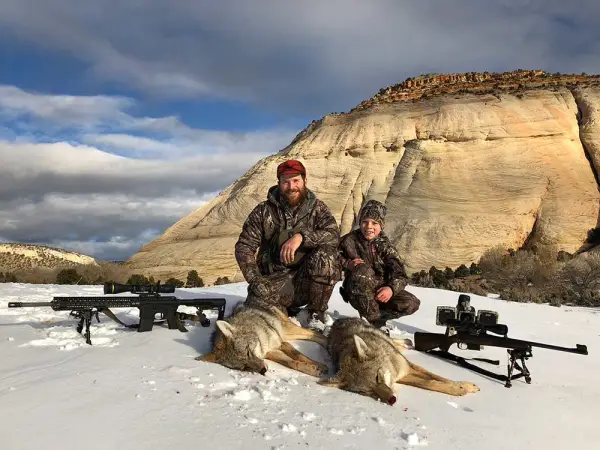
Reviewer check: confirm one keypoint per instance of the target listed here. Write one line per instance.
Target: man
(296, 237)
(374, 274)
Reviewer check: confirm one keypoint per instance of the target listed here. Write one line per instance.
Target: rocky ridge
(432, 85)
(27, 256)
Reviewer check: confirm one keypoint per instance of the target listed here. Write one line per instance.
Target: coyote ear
(225, 327)
(384, 377)
(361, 347)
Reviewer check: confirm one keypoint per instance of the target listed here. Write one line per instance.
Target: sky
(120, 117)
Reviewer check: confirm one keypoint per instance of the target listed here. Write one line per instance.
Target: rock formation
(26, 256)
(464, 162)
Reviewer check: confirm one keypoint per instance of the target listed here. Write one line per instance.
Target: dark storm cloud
(309, 56)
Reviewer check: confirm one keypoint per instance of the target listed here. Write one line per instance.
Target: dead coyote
(369, 362)
(250, 335)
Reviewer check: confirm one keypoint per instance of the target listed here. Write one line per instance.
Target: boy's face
(370, 228)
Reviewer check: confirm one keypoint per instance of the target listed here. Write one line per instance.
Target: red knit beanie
(291, 167)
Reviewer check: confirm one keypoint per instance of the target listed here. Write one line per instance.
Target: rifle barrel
(496, 341)
(194, 301)
(30, 304)
(579, 348)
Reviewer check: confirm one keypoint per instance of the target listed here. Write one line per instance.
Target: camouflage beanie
(373, 210)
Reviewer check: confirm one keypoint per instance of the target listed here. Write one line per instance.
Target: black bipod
(85, 317)
(515, 356)
(521, 355)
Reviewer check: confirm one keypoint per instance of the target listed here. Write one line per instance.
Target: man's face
(293, 188)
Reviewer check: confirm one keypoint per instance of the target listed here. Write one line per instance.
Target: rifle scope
(117, 288)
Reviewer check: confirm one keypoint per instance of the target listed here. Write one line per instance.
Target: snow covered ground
(146, 391)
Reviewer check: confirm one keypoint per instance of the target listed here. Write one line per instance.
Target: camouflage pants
(310, 284)
(359, 289)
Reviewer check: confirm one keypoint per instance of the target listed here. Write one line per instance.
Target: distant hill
(14, 257)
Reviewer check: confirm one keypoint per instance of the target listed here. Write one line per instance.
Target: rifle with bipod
(470, 330)
(149, 301)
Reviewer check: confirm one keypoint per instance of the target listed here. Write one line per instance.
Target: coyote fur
(252, 334)
(369, 362)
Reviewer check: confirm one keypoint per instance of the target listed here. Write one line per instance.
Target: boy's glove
(355, 262)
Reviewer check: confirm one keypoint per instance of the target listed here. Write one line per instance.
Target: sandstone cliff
(26, 256)
(464, 162)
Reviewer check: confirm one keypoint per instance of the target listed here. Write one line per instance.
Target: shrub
(462, 271)
(578, 282)
(449, 273)
(518, 268)
(8, 277)
(223, 280)
(175, 282)
(193, 280)
(474, 269)
(69, 276)
(138, 278)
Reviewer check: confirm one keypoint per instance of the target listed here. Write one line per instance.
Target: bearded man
(287, 249)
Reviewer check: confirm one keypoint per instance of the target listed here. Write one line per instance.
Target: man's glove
(259, 287)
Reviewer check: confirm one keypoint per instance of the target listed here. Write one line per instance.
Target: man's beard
(293, 202)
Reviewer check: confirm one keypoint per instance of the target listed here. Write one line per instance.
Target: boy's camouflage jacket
(379, 254)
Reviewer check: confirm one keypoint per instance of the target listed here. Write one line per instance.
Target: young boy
(374, 275)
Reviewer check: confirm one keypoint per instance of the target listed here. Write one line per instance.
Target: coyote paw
(468, 388)
(315, 370)
(404, 344)
(322, 369)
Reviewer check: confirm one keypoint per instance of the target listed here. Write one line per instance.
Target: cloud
(104, 121)
(107, 191)
(83, 111)
(186, 142)
(74, 195)
(308, 57)
(30, 171)
(105, 226)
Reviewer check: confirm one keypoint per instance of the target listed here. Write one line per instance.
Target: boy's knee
(413, 305)
(361, 276)
(406, 303)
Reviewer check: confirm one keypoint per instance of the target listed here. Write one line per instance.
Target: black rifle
(149, 302)
(473, 335)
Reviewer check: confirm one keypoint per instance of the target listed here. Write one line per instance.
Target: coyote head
(236, 349)
(366, 373)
